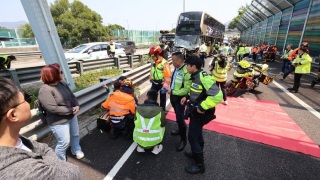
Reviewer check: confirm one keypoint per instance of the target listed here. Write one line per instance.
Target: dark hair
(121, 78)
(116, 85)
(152, 95)
(179, 55)
(8, 95)
(194, 60)
(12, 57)
(50, 74)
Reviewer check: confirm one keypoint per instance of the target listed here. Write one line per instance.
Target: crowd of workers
(193, 95)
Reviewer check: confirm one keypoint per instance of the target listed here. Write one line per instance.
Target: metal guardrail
(32, 74)
(19, 55)
(88, 98)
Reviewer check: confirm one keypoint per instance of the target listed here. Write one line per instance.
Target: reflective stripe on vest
(157, 72)
(219, 73)
(148, 135)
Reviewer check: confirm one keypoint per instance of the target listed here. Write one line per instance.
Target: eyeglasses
(27, 98)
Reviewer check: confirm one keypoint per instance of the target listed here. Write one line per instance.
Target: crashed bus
(196, 26)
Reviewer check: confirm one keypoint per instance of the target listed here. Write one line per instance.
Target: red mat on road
(260, 121)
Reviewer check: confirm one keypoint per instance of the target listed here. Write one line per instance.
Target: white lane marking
(305, 105)
(129, 151)
(121, 161)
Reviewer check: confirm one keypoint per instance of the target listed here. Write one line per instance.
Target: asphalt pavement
(226, 157)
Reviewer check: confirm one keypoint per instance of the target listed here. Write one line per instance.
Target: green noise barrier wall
(297, 22)
(312, 31)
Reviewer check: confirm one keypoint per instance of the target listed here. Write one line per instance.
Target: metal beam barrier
(88, 98)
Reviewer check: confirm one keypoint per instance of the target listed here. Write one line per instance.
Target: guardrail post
(117, 62)
(80, 67)
(14, 77)
(140, 58)
(130, 60)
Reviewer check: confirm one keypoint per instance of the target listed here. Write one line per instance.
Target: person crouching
(149, 124)
(122, 109)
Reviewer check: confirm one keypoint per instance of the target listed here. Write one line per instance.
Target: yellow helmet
(244, 64)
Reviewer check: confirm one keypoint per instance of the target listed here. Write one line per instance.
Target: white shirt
(20, 145)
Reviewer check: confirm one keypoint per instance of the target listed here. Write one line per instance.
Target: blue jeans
(285, 65)
(66, 134)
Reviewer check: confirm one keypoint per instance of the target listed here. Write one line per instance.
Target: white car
(96, 50)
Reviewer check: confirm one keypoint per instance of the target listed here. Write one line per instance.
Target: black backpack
(41, 112)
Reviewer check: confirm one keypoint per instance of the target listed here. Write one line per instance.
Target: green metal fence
(140, 37)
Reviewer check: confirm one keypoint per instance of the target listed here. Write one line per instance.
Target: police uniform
(205, 95)
(180, 86)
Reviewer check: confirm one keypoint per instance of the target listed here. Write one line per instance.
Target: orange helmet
(127, 83)
(155, 50)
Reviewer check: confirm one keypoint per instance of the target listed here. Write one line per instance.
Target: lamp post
(184, 5)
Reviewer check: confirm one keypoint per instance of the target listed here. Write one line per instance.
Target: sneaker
(80, 155)
(225, 102)
(140, 149)
(157, 149)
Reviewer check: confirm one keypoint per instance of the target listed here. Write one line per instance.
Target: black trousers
(296, 83)
(202, 57)
(179, 111)
(254, 56)
(195, 132)
(163, 99)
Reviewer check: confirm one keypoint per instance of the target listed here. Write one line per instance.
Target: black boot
(183, 135)
(198, 167)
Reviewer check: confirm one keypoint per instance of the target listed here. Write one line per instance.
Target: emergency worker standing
(122, 109)
(5, 62)
(179, 88)
(220, 68)
(292, 56)
(203, 97)
(240, 52)
(203, 52)
(160, 74)
(112, 48)
(303, 66)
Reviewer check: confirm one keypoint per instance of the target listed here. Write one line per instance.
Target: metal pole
(184, 5)
(285, 40)
(305, 22)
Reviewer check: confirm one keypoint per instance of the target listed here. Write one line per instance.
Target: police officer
(240, 52)
(179, 88)
(220, 68)
(5, 62)
(160, 74)
(203, 97)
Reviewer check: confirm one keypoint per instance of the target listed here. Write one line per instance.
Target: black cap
(194, 60)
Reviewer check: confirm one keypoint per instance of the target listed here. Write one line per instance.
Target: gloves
(163, 91)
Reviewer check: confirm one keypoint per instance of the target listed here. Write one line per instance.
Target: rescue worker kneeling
(122, 109)
(149, 124)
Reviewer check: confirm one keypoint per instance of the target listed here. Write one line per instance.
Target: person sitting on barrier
(122, 109)
(5, 62)
(149, 124)
(21, 158)
(61, 106)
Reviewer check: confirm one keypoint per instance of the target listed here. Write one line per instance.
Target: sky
(141, 14)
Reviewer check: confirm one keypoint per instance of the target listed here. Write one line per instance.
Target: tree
(25, 31)
(173, 30)
(235, 20)
(76, 23)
